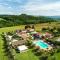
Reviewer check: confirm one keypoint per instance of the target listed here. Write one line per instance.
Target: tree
(51, 52)
(36, 48)
(58, 50)
(29, 44)
(13, 20)
(43, 57)
(38, 53)
(33, 27)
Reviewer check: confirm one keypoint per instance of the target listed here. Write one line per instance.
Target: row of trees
(13, 20)
(7, 48)
(55, 31)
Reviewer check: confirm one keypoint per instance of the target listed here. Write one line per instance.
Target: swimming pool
(41, 44)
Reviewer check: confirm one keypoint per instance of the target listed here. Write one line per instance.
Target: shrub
(38, 53)
(58, 50)
(44, 29)
(43, 57)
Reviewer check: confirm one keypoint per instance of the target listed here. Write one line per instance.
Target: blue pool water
(41, 44)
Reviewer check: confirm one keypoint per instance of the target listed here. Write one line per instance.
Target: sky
(30, 7)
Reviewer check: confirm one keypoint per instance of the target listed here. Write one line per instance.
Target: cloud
(32, 7)
(45, 9)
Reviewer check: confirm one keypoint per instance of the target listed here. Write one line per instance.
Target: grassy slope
(22, 55)
(28, 55)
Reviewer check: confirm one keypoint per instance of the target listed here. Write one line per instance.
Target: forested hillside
(14, 20)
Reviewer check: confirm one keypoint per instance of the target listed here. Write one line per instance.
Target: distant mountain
(54, 17)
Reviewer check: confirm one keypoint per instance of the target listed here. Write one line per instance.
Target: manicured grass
(57, 55)
(27, 55)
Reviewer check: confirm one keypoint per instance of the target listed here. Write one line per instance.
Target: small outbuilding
(22, 48)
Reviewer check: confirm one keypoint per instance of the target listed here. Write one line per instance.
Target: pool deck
(49, 47)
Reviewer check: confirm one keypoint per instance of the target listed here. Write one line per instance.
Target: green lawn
(23, 56)
(57, 56)
(28, 55)
(7, 29)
